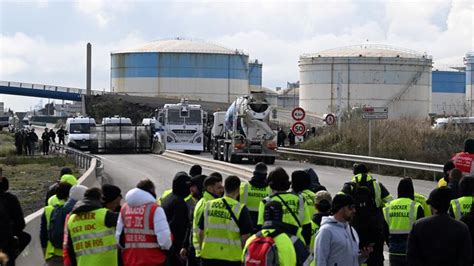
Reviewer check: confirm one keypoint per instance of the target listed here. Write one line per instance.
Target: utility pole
(88, 77)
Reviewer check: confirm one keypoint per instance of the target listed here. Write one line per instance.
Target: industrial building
(366, 75)
(469, 61)
(448, 92)
(185, 68)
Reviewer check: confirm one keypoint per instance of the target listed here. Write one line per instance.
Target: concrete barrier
(33, 254)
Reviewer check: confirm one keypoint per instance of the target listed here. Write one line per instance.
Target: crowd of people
(273, 219)
(26, 140)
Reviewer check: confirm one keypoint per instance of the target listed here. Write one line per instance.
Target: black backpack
(56, 226)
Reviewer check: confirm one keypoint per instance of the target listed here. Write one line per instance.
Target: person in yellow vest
(224, 227)
(67, 178)
(400, 215)
(300, 184)
(322, 203)
(448, 166)
(290, 249)
(295, 213)
(53, 254)
(91, 232)
(254, 191)
(52, 189)
(462, 205)
(422, 200)
(212, 190)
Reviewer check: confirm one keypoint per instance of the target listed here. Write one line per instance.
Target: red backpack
(262, 251)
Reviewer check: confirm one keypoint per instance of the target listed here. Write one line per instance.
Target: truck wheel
(220, 152)
(269, 160)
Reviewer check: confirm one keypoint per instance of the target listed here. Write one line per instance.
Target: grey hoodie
(337, 244)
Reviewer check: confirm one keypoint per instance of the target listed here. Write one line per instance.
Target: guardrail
(435, 168)
(33, 254)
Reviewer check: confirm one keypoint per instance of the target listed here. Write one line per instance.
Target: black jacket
(468, 219)
(439, 240)
(12, 222)
(87, 206)
(176, 209)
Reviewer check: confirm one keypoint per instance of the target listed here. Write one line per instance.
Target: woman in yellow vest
(462, 205)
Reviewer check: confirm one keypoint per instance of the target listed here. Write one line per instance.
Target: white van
(79, 132)
(456, 123)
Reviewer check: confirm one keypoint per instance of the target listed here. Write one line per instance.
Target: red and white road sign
(330, 119)
(298, 129)
(298, 114)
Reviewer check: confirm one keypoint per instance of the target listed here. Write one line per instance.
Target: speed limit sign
(298, 129)
(298, 114)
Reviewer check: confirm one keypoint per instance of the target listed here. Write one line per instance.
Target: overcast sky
(44, 41)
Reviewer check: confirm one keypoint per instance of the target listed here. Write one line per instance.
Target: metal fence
(82, 159)
(435, 168)
(119, 139)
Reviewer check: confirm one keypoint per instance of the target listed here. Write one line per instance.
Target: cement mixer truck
(244, 132)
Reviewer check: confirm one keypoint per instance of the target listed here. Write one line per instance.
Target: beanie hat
(448, 166)
(360, 168)
(195, 170)
(405, 188)
(198, 181)
(260, 169)
(77, 192)
(300, 181)
(340, 201)
(65, 171)
(68, 178)
(279, 180)
(440, 199)
(181, 182)
(110, 193)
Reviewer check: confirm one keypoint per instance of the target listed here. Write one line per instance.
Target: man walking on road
(224, 227)
(337, 243)
(90, 236)
(61, 134)
(400, 214)
(45, 138)
(439, 240)
(254, 191)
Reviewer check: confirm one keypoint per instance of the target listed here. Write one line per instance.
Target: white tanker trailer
(244, 132)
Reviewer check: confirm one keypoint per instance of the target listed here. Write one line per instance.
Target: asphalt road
(126, 170)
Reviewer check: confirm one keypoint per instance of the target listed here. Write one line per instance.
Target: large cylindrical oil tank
(469, 61)
(181, 68)
(255, 75)
(366, 75)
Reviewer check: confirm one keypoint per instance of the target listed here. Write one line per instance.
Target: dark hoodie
(258, 180)
(12, 222)
(176, 208)
(88, 205)
(315, 185)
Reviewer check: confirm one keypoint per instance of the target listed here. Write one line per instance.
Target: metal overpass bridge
(44, 91)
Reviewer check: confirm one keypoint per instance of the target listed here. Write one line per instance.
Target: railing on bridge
(45, 87)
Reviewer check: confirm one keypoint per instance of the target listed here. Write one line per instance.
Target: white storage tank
(179, 68)
(369, 75)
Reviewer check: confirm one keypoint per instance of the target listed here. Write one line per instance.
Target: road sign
(298, 129)
(330, 119)
(298, 114)
(375, 113)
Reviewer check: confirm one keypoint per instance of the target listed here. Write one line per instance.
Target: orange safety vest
(141, 246)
